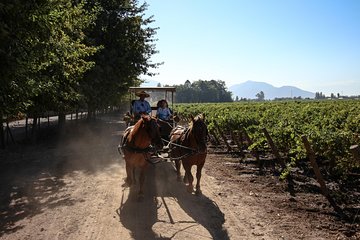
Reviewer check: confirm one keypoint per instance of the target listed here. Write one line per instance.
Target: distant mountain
(249, 89)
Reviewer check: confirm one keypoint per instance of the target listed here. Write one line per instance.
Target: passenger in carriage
(163, 112)
(141, 106)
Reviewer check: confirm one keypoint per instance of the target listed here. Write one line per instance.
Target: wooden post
(238, 144)
(318, 175)
(274, 149)
(280, 161)
(355, 152)
(250, 142)
(223, 137)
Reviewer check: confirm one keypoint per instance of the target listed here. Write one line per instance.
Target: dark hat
(142, 93)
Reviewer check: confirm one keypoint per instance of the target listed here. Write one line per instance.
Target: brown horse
(188, 145)
(136, 146)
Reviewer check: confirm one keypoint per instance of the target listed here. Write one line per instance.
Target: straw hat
(142, 93)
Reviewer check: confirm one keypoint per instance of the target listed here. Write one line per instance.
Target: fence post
(237, 142)
(280, 161)
(319, 177)
(274, 148)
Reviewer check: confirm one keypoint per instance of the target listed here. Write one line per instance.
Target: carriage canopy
(156, 94)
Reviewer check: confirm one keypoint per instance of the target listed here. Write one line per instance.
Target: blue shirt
(163, 113)
(141, 107)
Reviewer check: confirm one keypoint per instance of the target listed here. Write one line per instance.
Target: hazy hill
(249, 89)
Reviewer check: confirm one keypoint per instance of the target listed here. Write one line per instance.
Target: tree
(42, 54)
(319, 95)
(203, 91)
(127, 44)
(260, 96)
(66, 55)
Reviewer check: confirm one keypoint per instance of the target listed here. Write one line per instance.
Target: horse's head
(153, 130)
(199, 131)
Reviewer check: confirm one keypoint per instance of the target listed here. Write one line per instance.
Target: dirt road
(71, 188)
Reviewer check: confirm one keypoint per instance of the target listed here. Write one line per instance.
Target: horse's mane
(199, 116)
(188, 130)
(137, 127)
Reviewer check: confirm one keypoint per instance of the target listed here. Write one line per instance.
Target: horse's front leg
(178, 167)
(129, 174)
(198, 177)
(189, 177)
(142, 180)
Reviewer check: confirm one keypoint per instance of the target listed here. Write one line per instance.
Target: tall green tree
(127, 42)
(260, 96)
(60, 66)
(42, 54)
(203, 91)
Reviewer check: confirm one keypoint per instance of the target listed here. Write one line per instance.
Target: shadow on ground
(161, 190)
(32, 176)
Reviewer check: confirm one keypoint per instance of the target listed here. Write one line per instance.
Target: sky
(310, 44)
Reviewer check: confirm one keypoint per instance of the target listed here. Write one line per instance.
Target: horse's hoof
(198, 192)
(178, 178)
(126, 183)
(185, 180)
(190, 189)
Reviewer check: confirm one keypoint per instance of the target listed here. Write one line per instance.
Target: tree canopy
(202, 91)
(58, 55)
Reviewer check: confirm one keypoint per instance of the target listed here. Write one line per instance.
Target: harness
(147, 152)
(178, 143)
(191, 152)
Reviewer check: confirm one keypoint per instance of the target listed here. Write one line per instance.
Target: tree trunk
(62, 118)
(2, 135)
(91, 113)
(34, 124)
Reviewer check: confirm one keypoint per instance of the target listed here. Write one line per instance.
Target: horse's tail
(123, 140)
(119, 148)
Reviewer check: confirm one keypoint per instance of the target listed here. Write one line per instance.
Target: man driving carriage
(141, 106)
(161, 110)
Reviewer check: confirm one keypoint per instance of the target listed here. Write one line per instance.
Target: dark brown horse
(188, 145)
(136, 146)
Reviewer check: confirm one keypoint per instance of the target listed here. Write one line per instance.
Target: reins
(160, 120)
(152, 150)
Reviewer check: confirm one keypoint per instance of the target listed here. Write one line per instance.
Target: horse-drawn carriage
(147, 136)
(156, 96)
